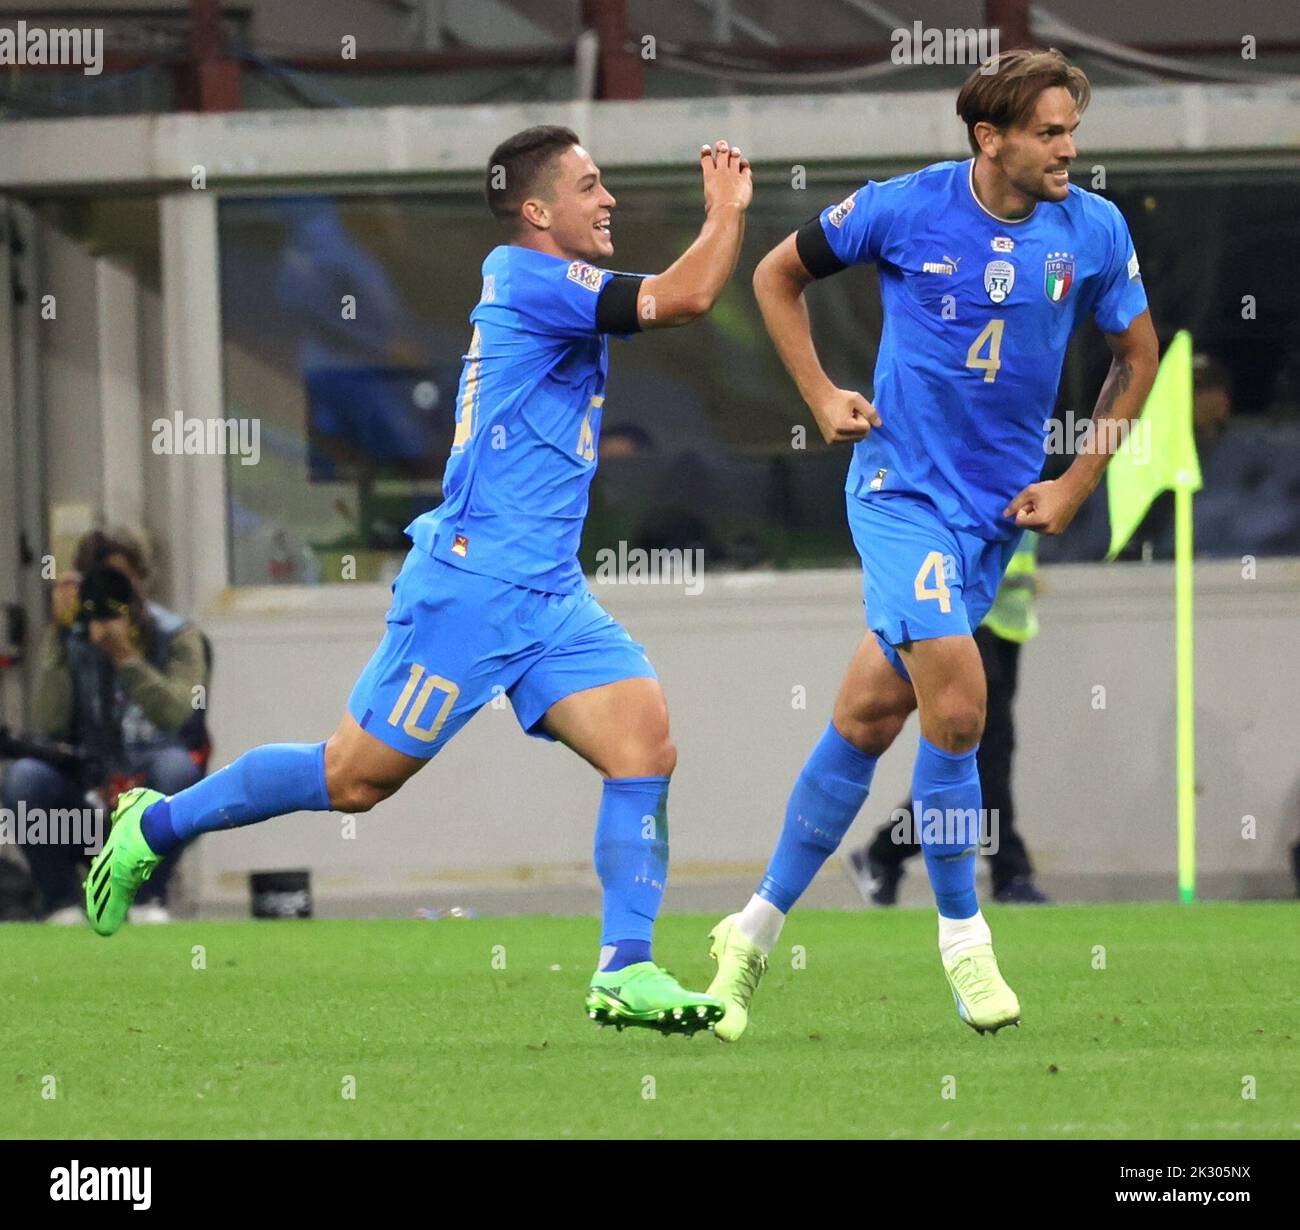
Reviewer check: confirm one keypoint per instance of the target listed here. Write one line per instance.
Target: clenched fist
(845, 417)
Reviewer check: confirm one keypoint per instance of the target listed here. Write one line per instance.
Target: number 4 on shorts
(933, 564)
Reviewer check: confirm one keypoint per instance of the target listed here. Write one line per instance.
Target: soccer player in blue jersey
(491, 595)
(985, 268)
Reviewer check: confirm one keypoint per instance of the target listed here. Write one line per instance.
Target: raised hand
(728, 179)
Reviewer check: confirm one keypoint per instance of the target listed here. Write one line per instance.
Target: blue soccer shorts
(921, 578)
(457, 640)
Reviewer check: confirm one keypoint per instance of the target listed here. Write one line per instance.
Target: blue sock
(829, 793)
(632, 862)
(946, 802)
(272, 780)
(624, 952)
(156, 826)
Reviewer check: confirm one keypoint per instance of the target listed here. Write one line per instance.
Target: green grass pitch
(854, 1034)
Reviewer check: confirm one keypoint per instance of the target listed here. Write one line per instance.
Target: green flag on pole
(1160, 453)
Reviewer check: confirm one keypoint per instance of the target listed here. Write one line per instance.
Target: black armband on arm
(616, 308)
(814, 250)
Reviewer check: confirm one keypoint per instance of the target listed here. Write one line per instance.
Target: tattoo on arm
(1117, 384)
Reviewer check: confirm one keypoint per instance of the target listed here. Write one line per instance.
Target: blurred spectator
(625, 440)
(117, 680)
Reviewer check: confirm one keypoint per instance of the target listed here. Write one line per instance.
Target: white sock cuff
(956, 934)
(760, 922)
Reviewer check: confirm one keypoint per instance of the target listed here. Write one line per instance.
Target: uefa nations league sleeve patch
(586, 275)
(841, 211)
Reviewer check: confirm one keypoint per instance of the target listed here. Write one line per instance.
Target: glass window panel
(345, 318)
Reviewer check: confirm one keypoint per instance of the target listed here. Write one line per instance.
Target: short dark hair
(94, 549)
(520, 164)
(1008, 95)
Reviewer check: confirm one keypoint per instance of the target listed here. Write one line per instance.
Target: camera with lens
(105, 593)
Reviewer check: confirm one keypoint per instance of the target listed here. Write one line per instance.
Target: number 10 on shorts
(414, 708)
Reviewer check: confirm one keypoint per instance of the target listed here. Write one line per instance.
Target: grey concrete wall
(503, 822)
(71, 385)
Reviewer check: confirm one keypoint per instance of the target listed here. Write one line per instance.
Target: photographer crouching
(118, 682)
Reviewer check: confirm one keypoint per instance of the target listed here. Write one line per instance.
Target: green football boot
(125, 863)
(741, 964)
(644, 994)
(984, 1001)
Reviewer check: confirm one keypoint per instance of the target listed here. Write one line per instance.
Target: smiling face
(573, 209)
(1035, 156)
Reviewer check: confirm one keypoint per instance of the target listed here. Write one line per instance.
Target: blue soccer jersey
(528, 414)
(978, 312)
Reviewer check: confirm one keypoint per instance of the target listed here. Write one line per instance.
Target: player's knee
(357, 794)
(872, 734)
(871, 725)
(659, 758)
(955, 723)
(647, 757)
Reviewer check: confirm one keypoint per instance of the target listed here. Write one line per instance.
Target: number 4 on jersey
(991, 333)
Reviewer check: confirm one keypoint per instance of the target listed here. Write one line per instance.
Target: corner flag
(1134, 479)
(1137, 475)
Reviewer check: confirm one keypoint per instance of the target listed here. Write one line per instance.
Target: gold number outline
(469, 399)
(586, 437)
(409, 725)
(992, 333)
(933, 562)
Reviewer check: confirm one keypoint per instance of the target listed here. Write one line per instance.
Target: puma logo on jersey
(947, 266)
